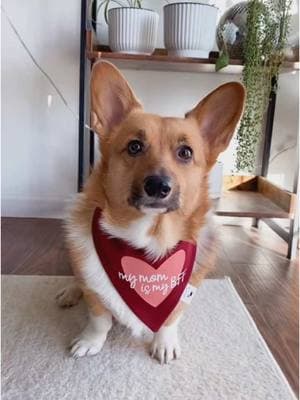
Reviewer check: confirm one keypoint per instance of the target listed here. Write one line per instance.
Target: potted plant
(189, 29)
(263, 48)
(263, 56)
(131, 28)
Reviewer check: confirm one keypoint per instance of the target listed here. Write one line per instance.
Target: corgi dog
(147, 198)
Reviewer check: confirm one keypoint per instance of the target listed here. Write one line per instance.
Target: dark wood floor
(254, 260)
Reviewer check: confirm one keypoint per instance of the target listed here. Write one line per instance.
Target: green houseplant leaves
(267, 29)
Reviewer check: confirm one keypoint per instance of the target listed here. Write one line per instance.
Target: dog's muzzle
(157, 192)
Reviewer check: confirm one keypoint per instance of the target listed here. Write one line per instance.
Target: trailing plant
(125, 3)
(223, 59)
(267, 29)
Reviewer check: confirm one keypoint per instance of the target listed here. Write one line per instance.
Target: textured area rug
(223, 354)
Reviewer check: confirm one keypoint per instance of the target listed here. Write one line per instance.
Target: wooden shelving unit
(253, 197)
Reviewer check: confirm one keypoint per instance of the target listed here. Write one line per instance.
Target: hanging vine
(267, 29)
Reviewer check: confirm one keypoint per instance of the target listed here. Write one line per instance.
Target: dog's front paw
(68, 296)
(87, 345)
(92, 339)
(165, 345)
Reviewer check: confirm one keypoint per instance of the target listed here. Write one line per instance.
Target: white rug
(223, 354)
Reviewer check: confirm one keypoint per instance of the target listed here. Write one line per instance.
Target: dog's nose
(157, 186)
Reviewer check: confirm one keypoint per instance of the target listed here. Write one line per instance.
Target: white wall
(283, 159)
(39, 143)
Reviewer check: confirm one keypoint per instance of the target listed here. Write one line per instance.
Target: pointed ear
(217, 116)
(112, 99)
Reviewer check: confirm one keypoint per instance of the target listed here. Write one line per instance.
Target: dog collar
(151, 289)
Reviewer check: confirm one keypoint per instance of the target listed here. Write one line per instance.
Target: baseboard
(50, 207)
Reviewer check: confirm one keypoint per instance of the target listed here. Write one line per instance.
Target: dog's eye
(135, 147)
(184, 153)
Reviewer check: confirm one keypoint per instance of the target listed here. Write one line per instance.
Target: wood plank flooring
(254, 259)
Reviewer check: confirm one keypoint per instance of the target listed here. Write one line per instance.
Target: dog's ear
(217, 116)
(112, 99)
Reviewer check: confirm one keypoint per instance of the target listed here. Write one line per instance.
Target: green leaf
(222, 61)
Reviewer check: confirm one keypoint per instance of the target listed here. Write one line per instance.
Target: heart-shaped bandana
(151, 289)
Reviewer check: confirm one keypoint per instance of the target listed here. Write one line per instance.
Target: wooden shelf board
(237, 203)
(160, 61)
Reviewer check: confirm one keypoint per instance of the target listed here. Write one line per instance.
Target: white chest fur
(137, 235)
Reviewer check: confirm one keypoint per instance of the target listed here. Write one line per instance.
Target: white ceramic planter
(216, 181)
(189, 29)
(132, 30)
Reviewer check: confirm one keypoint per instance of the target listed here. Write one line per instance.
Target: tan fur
(118, 117)
(93, 302)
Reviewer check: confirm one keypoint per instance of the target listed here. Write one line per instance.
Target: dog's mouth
(154, 206)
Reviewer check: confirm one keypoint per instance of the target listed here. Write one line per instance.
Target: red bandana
(151, 290)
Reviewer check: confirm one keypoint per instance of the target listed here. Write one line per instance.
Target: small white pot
(189, 29)
(132, 30)
(216, 181)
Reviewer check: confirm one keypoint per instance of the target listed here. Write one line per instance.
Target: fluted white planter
(132, 30)
(189, 29)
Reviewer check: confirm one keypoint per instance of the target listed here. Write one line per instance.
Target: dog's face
(156, 164)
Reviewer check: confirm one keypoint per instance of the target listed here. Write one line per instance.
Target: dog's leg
(165, 345)
(91, 340)
(69, 296)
